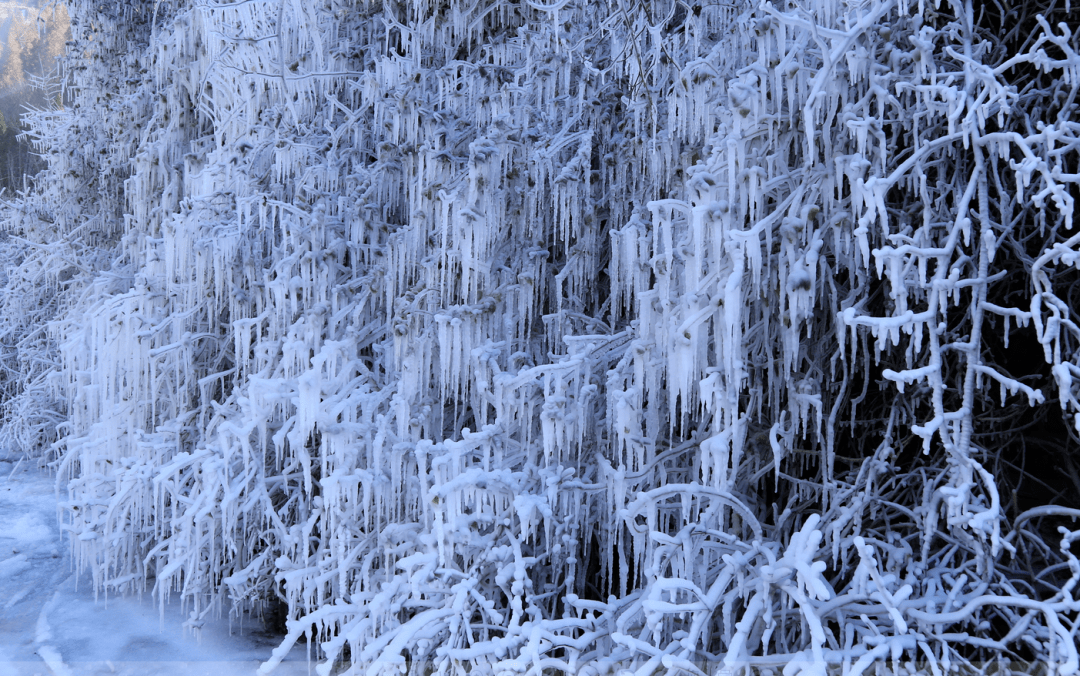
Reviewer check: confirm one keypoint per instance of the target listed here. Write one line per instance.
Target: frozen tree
(512, 337)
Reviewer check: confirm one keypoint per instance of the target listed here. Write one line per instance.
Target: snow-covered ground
(50, 622)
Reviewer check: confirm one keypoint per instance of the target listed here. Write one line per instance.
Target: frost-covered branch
(491, 336)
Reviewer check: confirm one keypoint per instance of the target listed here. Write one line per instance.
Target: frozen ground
(50, 622)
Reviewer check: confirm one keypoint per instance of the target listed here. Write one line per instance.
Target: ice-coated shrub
(526, 337)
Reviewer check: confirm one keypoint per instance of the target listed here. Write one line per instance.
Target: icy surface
(51, 620)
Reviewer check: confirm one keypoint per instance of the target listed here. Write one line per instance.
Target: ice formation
(509, 337)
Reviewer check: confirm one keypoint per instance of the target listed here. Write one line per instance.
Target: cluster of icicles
(479, 332)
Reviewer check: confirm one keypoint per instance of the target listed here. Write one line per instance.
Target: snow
(523, 337)
(52, 619)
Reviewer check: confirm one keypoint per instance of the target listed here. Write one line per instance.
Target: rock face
(516, 336)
